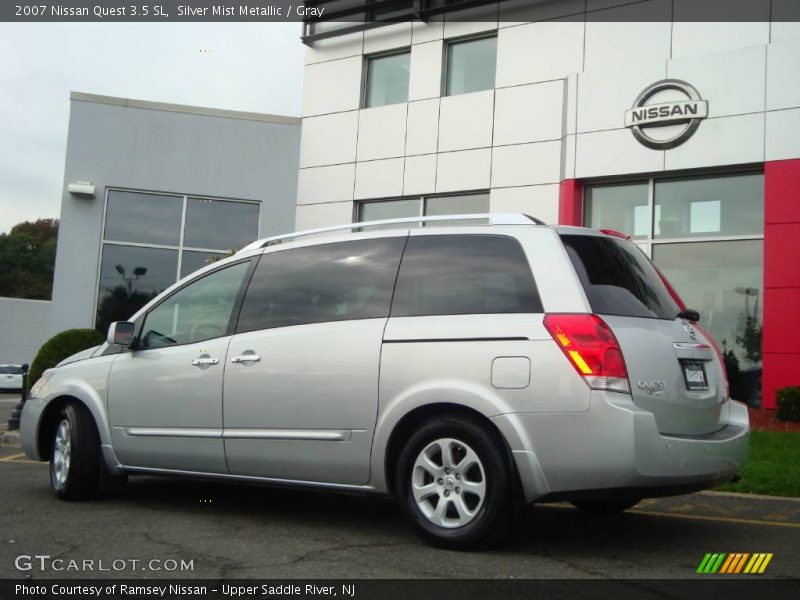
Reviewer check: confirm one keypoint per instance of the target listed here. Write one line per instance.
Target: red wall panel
(781, 341)
(570, 202)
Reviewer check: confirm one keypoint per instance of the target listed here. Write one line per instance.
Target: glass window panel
(220, 224)
(193, 260)
(200, 311)
(387, 209)
(456, 205)
(723, 282)
(318, 284)
(621, 207)
(720, 205)
(387, 79)
(464, 274)
(471, 66)
(143, 218)
(130, 277)
(388, 13)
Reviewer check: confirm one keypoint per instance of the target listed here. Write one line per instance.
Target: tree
(27, 259)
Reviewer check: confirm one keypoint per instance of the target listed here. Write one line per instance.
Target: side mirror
(120, 333)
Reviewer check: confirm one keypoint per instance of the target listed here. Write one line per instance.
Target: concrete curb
(740, 496)
(10, 439)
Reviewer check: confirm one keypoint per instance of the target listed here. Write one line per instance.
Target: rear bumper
(615, 449)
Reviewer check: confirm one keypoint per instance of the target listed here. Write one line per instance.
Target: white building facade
(538, 116)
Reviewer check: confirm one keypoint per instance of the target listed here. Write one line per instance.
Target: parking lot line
(17, 458)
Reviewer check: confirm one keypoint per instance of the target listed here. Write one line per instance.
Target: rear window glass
(318, 284)
(618, 278)
(10, 370)
(464, 274)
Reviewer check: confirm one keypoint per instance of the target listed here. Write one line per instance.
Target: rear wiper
(689, 314)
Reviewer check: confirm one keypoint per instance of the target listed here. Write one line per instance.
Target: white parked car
(458, 368)
(11, 377)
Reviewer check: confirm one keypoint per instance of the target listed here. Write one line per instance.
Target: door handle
(205, 361)
(246, 358)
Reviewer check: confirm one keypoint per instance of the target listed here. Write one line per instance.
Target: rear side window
(317, 284)
(464, 274)
(618, 278)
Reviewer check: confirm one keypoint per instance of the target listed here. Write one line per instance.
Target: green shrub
(59, 347)
(788, 404)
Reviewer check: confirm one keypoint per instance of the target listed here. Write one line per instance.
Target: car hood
(82, 355)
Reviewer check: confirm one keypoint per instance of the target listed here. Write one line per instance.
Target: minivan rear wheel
(454, 483)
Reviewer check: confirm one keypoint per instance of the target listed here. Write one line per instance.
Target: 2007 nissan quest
(459, 368)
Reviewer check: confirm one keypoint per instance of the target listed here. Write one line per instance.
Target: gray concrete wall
(163, 148)
(23, 329)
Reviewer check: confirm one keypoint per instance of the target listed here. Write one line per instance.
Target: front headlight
(39, 388)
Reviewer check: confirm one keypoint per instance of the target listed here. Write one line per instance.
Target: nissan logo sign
(688, 111)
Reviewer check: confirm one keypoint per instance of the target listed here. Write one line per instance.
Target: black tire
(605, 507)
(491, 523)
(81, 478)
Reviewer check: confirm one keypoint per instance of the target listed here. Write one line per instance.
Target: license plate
(695, 375)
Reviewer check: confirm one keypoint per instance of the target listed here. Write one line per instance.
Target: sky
(238, 66)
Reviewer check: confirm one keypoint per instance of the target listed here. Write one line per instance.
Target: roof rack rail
(493, 219)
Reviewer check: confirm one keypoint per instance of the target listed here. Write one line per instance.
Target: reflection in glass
(723, 281)
(387, 209)
(456, 205)
(317, 284)
(143, 218)
(130, 277)
(192, 260)
(387, 80)
(620, 207)
(471, 66)
(220, 224)
(200, 311)
(702, 206)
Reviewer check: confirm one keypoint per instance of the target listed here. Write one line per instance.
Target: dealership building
(153, 191)
(683, 135)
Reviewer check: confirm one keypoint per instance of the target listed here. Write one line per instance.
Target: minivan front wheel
(75, 460)
(454, 484)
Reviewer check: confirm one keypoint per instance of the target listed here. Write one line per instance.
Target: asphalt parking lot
(236, 531)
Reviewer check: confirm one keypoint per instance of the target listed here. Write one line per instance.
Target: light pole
(137, 272)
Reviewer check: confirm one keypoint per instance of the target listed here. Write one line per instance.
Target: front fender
(87, 382)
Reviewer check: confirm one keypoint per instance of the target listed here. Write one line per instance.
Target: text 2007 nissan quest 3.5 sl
(461, 368)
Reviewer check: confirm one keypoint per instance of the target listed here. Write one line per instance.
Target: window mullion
(180, 241)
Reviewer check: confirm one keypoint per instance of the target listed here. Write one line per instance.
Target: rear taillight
(591, 347)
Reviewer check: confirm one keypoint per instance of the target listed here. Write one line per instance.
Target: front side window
(471, 66)
(387, 79)
(464, 274)
(200, 311)
(317, 284)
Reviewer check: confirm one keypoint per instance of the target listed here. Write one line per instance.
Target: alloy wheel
(448, 482)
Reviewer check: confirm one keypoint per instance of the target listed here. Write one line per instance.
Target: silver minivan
(463, 364)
